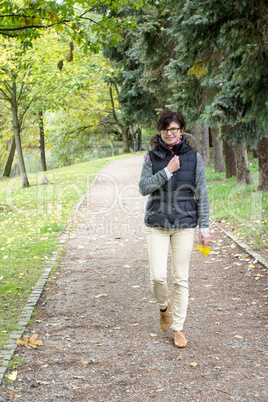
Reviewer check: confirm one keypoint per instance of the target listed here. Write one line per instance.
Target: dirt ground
(99, 323)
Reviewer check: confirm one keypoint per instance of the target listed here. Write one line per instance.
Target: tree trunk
(42, 141)
(8, 166)
(125, 140)
(139, 145)
(230, 159)
(243, 173)
(195, 132)
(204, 144)
(255, 153)
(263, 163)
(133, 138)
(44, 180)
(16, 130)
(217, 149)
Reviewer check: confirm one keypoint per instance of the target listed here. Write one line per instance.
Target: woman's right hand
(173, 164)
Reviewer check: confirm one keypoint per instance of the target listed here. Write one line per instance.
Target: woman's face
(172, 133)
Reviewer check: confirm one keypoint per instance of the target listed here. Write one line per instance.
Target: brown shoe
(179, 339)
(165, 319)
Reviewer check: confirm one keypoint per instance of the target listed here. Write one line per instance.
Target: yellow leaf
(30, 342)
(204, 250)
(33, 338)
(26, 341)
(194, 364)
(153, 335)
(12, 376)
(20, 342)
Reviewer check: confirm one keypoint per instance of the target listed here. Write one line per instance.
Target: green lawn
(241, 208)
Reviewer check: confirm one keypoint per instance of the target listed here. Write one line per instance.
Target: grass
(31, 223)
(242, 208)
(33, 219)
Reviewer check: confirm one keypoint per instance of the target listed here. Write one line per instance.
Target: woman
(173, 175)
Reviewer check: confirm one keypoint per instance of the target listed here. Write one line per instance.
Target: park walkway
(99, 323)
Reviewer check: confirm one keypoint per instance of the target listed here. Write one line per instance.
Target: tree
(226, 47)
(17, 81)
(28, 19)
(140, 60)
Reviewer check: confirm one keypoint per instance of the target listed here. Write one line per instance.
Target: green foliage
(140, 60)
(75, 101)
(28, 19)
(225, 47)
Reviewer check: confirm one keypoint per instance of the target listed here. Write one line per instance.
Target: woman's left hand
(204, 238)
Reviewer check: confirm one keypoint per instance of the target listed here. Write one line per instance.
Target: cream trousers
(181, 241)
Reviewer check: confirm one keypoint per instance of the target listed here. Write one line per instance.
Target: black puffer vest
(173, 205)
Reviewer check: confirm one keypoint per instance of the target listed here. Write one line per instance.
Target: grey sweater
(150, 182)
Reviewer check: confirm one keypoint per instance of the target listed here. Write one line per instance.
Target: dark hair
(168, 116)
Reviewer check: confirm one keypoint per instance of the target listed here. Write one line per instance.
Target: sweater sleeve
(201, 196)
(150, 182)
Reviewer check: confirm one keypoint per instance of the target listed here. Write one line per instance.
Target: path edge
(8, 351)
(245, 247)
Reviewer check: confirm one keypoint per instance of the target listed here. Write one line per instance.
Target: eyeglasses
(173, 130)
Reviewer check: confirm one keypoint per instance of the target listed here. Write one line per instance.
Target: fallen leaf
(117, 327)
(11, 394)
(75, 387)
(102, 295)
(134, 325)
(239, 336)
(153, 335)
(193, 364)
(204, 250)
(160, 390)
(31, 342)
(12, 376)
(79, 376)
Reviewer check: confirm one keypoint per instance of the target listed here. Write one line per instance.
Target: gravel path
(99, 323)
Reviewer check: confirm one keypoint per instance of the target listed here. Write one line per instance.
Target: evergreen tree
(224, 46)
